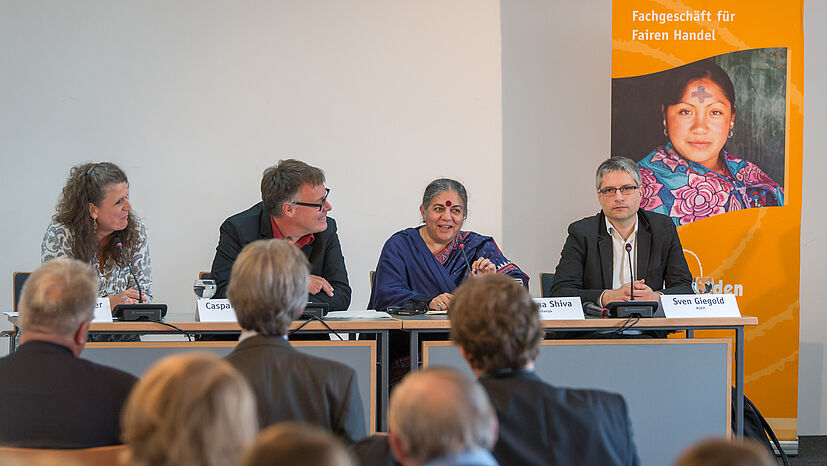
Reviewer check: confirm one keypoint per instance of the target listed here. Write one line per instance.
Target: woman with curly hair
(92, 211)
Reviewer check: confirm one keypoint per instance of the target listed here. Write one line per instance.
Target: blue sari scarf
(408, 271)
(687, 191)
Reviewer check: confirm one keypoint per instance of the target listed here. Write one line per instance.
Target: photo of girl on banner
(706, 161)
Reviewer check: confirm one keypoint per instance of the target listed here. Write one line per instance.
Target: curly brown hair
(88, 183)
(496, 322)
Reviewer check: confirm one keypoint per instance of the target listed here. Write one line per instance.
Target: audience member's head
(496, 324)
(57, 303)
(438, 412)
(268, 286)
(721, 452)
(296, 444)
(189, 409)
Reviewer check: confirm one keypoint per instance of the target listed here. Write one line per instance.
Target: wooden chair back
(97, 456)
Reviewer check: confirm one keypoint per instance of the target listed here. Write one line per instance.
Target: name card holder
(699, 306)
(560, 308)
(215, 310)
(103, 311)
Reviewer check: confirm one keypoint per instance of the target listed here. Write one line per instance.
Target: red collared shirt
(302, 242)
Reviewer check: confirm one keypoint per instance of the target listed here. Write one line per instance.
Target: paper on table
(353, 314)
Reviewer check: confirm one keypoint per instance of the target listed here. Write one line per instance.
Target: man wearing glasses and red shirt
(294, 206)
(594, 263)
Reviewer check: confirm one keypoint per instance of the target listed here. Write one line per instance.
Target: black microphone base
(624, 309)
(142, 311)
(314, 310)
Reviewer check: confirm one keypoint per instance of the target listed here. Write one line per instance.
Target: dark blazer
(544, 425)
(51, 399)
(585, 267)
(293, 386)
(324, 254)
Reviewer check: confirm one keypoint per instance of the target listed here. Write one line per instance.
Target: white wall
(195, 98)
(812, 372)
(556, 122)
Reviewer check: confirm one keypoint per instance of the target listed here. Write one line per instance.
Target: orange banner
(707, 99)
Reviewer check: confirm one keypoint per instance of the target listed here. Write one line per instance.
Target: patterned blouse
(115, 278)
(688, 191)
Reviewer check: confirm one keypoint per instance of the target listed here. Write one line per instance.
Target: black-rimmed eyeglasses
(624, 190)
(319, 206)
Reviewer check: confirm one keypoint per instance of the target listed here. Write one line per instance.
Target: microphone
(631, 273)
(592, 309)
(289, 239)
(117, 240)
(465, 256)
(632, 308)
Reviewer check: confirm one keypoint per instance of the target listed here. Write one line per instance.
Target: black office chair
(545, 283)
(19, 278)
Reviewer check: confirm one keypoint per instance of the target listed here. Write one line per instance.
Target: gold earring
(665, 131)
(731, 130)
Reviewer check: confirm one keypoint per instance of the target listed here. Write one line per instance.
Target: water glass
(702, 285)
(204, 289)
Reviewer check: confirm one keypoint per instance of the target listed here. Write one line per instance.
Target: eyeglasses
(624, 190)
(319, 206)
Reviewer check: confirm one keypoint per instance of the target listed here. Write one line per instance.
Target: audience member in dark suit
(268, 290)
(50, 398)
(440, 417)
(294, 206)
(497, 327)
(594, 264)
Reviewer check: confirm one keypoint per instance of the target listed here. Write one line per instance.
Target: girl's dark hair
(681, 77)
(87, 183)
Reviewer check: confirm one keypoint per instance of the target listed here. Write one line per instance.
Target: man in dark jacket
(268, 290)
(594, 263)
(497, 327)
(294, 207)
(49, 397)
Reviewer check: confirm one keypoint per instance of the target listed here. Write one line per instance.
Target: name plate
(560, 308)
(699, 305)
(215, 310)
(103, 311)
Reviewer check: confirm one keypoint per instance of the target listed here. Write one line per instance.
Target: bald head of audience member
(296, 444)
(57, 304)
(189, 409)
(268, 286)
(722, 452)
(496, 324)
(439, 412)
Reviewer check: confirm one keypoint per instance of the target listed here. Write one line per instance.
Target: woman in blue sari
(693, 176)
(423, 266)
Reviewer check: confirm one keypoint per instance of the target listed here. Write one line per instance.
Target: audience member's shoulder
(374, 450)
(250, 215)
(334, 368)
(115, 376)
(584, 224)
(593, 397)
(658, 220)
